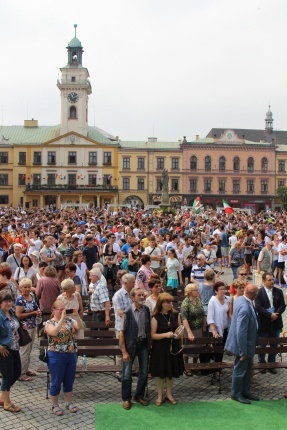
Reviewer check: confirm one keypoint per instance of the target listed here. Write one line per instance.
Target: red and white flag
(227, 209)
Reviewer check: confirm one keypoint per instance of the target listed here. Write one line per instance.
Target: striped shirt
(197, 272)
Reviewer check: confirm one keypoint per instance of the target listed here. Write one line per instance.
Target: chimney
(31, 122)
(197, 137)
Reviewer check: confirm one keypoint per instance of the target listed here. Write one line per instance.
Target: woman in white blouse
(219, 315)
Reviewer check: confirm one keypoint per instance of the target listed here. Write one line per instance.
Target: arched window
(73, 112)
(250, 164)
(222, 164)
(236, 164)
(207, 164)
(193, 162)
(264, 164)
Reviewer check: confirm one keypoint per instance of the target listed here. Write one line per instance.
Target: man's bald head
(251, 291)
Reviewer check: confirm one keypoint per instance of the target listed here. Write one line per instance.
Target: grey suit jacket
(242, 335)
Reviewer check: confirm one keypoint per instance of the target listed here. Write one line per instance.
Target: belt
(98, 312)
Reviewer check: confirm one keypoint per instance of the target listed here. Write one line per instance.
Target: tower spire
(269, 121)
(75, 27)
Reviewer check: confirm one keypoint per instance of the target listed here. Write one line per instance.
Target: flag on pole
(227, 209)
(197, 205)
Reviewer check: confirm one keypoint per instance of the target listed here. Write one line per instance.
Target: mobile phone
(69, 311)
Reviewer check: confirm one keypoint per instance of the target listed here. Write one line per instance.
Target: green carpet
(225, 415)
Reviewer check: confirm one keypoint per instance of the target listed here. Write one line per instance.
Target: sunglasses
(242, 274)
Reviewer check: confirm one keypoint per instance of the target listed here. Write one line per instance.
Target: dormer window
(73, 79)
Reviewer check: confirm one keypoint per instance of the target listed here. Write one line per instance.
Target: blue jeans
(10, 367)
(62, 367)
(143, 354)
(269, 333)
(234, 271)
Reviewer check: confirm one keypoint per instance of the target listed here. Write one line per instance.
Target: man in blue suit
(241, 342)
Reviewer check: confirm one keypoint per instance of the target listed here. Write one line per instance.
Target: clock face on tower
(73, 97)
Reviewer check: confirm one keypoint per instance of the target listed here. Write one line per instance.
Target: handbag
(43, 355)
(162, 273)
(24, 337)
(234, 263)
(178, 334)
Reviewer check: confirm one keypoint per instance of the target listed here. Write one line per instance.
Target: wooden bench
(105, 347)
(271, 345)
(212, 346)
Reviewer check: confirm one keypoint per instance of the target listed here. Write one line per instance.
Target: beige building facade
(231, 168)
(74, 163)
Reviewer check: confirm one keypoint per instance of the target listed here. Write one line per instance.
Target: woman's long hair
(162, 298)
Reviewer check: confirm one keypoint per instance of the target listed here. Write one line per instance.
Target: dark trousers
(143, 355)
(205, 358)
(99, 316)
(241, 377)
(10, 368)
(269, 333)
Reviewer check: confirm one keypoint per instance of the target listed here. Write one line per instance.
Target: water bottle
(84, 362)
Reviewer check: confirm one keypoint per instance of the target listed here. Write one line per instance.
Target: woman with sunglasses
(62, 356)
(240, 274)
(155, 287)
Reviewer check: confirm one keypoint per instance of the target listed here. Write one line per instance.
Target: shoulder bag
(24, 337)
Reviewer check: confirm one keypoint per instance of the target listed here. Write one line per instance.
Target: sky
(158, 68)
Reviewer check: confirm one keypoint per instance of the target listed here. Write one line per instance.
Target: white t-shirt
(156, 253)
(281, 247)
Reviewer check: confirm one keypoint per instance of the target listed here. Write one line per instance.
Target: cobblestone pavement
(90, 389)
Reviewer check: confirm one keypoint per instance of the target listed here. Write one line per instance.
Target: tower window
(73, 79)
(73, 112)
(75, 57)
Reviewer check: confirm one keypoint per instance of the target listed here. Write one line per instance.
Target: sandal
(188, 372)
(26, 379)
(31, 373)
(72, 408)
(12, 408)
(1, 403)
(57, 410)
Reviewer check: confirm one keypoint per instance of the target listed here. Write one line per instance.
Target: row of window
(222, 185)
(72, 157)
(159, 163)
(70, 179)
(222, 164)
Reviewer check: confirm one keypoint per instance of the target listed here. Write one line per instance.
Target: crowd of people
(51, 258)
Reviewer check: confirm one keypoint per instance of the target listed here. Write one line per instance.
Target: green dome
(75, 43)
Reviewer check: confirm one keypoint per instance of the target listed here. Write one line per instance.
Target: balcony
(51, 163)
(250, 192)
(67, 187)
(37, 163)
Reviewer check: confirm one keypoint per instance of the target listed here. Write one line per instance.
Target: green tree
(281, 192)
